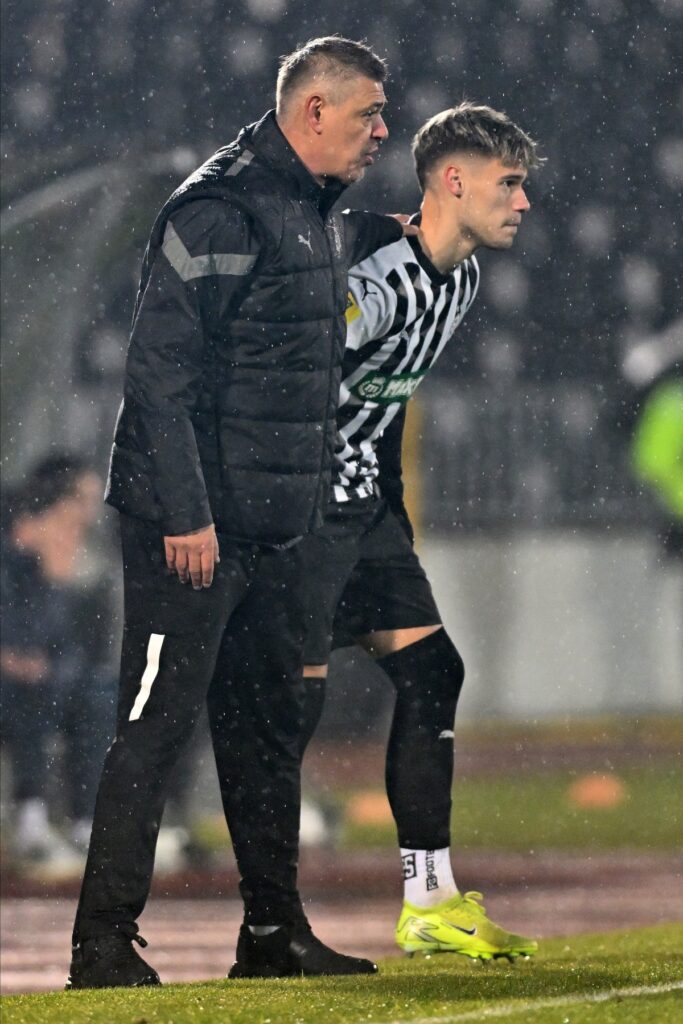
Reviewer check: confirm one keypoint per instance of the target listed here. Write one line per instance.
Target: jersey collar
(434, 275)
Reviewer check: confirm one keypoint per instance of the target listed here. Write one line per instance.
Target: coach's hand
(193, 556)
(403, 218)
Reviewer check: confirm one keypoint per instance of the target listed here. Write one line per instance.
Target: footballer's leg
(389, 588)
(427, 673)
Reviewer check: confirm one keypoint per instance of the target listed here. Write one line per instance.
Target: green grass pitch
(629, 977)
(533, 812)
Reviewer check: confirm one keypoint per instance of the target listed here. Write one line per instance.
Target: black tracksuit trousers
(176, 649)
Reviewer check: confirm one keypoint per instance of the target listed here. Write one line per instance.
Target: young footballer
(364, 581)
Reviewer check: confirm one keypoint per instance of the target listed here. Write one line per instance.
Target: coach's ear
(313, 110)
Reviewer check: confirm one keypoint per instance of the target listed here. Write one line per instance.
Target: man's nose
(379, 128)
(522, 204)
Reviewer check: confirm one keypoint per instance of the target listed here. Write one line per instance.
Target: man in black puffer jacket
(224, 444)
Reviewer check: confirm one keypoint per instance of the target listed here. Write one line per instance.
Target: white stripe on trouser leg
(149, 675)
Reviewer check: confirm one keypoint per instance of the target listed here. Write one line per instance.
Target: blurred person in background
(363, 581)
(654, 368)
(653, 371)
(225, 437)
(57, 680)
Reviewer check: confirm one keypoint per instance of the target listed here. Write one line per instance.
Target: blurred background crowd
(544, 458)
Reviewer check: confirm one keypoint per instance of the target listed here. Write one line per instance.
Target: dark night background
(107, 106)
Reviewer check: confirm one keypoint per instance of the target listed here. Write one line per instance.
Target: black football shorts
(361, 575)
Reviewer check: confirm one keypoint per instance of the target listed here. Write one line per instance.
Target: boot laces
(473, 900)
(118, 944)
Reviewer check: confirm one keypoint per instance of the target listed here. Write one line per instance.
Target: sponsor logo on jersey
(386, 388)
(365, 285)
(352, 308)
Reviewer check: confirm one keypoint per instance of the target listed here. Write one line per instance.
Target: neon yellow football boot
(458, 925)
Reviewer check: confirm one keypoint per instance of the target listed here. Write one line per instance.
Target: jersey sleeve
(366, 232)
(371, 304)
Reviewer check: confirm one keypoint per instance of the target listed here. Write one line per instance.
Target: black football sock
(427, 676)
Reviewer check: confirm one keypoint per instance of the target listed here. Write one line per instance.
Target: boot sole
(237, 972)
(145, 983)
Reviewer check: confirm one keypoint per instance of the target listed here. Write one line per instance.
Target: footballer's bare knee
(315, 671)
(388, 641)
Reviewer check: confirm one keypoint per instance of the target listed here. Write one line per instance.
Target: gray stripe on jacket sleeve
(242, 160)
(189, 267)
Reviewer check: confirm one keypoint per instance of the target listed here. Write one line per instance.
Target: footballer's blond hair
(472, 128)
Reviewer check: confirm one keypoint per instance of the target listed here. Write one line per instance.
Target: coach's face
(351, 129)
(493, 201)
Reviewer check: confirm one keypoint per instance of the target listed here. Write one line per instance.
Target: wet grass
(629, 976)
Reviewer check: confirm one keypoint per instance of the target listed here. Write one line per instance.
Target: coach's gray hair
(328, 55)
(472, 128)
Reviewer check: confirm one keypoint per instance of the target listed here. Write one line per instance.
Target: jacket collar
(267, 140)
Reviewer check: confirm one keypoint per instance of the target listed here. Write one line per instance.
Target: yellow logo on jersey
(352, 309)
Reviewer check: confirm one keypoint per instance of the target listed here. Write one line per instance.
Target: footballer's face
(352, 130)
(493, 201)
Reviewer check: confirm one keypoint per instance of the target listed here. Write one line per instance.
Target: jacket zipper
(327, 230)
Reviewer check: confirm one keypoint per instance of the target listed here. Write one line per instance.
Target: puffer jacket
(233, 369)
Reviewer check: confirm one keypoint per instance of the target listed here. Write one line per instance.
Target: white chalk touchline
(542, 1004)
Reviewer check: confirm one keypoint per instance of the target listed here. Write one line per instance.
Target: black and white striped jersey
(401, 312)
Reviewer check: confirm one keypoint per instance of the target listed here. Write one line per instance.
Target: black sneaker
(108, 961)
(291, 950)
